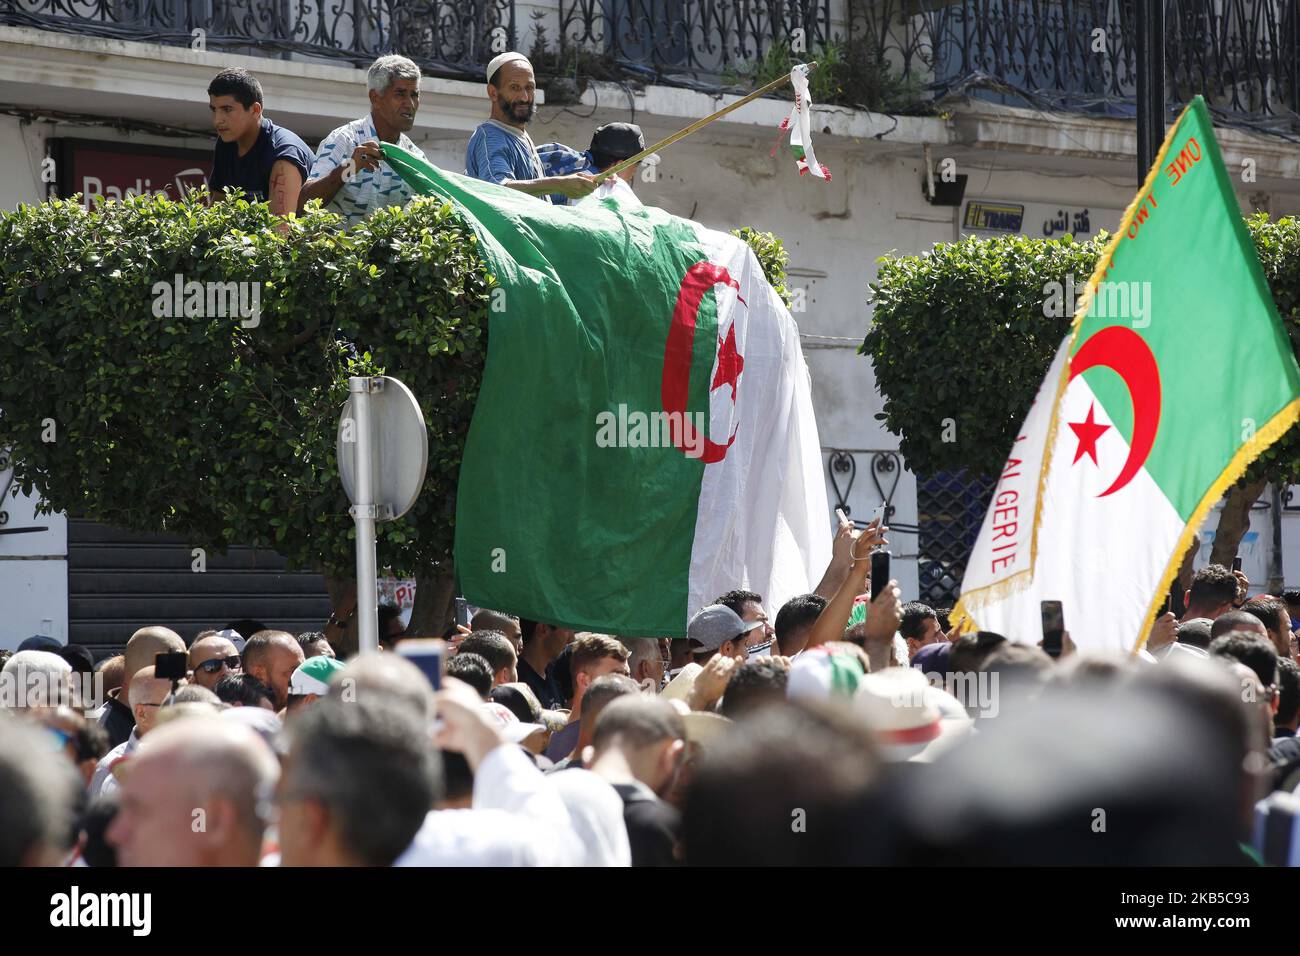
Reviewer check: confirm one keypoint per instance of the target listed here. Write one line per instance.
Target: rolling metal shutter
(119, 581)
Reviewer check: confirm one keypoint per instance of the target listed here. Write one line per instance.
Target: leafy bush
(847, 74)
(222, 433)
(960, 333)
(215, 431)
(772, 256)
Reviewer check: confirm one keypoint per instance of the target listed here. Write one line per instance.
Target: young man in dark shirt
(542, 644)
(268, 162)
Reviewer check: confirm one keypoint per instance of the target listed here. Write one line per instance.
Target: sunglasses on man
(214, 665)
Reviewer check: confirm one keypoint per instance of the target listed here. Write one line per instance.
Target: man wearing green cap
(311, 680)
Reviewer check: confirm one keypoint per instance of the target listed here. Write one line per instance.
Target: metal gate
(950, 508)
(119, 581)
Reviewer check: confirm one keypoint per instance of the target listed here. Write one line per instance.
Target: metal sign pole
(383, 450)
(363, 513)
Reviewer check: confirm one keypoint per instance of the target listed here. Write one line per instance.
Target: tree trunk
(1183, 582)
(339, 589)
(432, 613)
(1234, 521)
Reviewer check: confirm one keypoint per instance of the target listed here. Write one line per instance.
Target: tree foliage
(961, 333)
(217, 428)
(215, 431)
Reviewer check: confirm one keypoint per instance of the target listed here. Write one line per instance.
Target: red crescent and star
(1126, 353)
(680, 349)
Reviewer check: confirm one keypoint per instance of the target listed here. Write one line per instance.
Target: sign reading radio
(122, 170)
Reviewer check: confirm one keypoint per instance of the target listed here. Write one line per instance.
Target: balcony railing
(1076, 55)
(1081, 55)
(446, 37)
(681, 41)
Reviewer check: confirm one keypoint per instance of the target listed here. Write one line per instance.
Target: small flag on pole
(799, 123)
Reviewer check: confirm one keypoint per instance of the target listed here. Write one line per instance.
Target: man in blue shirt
(610, 145)
(268, 162)
(501, 151)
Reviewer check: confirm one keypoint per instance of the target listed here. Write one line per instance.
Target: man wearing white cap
(501, 151)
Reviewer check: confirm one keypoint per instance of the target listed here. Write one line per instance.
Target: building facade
(977, 124)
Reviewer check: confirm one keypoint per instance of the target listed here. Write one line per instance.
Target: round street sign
(400, 447)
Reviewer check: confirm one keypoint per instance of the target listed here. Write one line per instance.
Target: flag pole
(697, 125)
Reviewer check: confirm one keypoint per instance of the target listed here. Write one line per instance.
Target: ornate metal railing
(700, 39)
(1081, 54)
(446, 37)
(950, 508)
(1243, 55)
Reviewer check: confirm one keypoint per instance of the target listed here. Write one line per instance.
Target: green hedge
(960, 333)
(224, 434)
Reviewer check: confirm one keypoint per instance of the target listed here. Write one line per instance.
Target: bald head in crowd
(211, 649)
(145, 696)
(378, 674)
(1237, 621)
(145, 645)
(272, 657)
(192, 770)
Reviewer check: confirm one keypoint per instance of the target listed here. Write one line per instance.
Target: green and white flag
(644, 437)
(1176, 374)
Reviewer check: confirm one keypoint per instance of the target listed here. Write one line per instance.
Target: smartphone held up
(1053, 628)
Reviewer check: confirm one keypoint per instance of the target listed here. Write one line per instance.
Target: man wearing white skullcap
(501, 151)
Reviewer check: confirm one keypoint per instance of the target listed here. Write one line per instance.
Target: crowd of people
(842, 727)
(848, 728)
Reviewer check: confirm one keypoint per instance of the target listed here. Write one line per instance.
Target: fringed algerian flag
(1131, 441)
(799, 123)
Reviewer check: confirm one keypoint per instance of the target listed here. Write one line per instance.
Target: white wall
(33, 572)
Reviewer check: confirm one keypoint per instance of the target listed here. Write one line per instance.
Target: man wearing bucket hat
(501, 151)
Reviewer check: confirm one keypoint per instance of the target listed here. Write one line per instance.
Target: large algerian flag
(644, 436)
(1176, 374)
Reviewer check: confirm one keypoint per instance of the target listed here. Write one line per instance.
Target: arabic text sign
(1039, 220)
